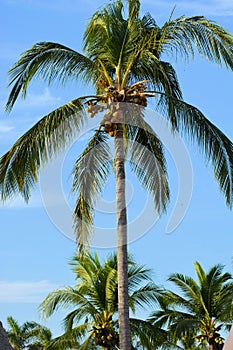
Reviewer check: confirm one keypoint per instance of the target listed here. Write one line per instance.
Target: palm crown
(201, 310)
(92, 304)
(119, 52)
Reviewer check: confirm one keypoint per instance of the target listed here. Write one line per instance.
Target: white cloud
(39, 100)
(5, 128)
(24, 291)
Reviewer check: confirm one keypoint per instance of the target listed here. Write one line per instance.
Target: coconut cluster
(216, 338)
(105, 334)
(115, 117)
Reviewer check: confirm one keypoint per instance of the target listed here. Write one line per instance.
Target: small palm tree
(201, 311)
(125, 60)
(93, 302)
(30, 335)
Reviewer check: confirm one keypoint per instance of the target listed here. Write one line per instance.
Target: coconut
(108, 124)
(137, 100)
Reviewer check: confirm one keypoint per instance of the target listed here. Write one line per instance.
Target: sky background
(34, 254)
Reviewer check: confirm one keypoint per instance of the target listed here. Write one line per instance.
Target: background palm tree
(120, 51)
(201, 311)
(30, 335)
(93, 301)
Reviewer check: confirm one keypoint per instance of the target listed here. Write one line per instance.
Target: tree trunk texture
(4, 342)
(122, 257)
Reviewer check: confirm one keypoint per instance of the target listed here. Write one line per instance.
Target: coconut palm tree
(92, 319)
(201, 310)
(125, 60)
(5, 345)
(30, 335)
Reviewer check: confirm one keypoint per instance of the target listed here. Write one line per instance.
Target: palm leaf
(19, 167)
(90, 174)
(49, 61)
(64, 297)
(148, 163)
(216, 146)
(181, 35)
(150, 337)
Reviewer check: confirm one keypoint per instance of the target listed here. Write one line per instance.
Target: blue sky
(34, 254)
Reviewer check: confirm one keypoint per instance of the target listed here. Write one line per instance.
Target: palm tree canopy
(125, 59)
(30, 335)
(202, 308)
(93, 300)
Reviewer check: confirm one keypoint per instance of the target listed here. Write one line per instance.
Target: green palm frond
(138, 274)
(216, 146)
(111, 290)
(20, 166)
(149, 336)
(90, 174)
(85, 266)
(147, 295)
(63, 297)
(49, 61)
(148, 163)
(69, 339)
(188, 286)
(182, 35)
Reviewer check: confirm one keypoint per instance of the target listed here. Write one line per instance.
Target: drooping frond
(49, 61)
(182, 35)
(215, 145)
(145, 296)
(148, 162)
(90, 174)
(149, 336)
(19, 167)
(66, 298)
(69, 339)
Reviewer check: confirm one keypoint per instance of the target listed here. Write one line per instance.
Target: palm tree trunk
(4, 342)
(122, 258)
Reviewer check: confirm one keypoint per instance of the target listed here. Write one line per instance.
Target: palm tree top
(122, 47)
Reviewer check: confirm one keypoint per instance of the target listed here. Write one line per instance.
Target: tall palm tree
(92, 319)
(201, 310)
(30, 335)
(125, 61)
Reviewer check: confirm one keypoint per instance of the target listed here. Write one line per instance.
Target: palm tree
(125, 61)
(93, 304)
(5, 345)
(201, 311)
(30, 335)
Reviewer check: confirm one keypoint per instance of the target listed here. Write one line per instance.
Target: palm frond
(49, 61)
(69, 339)
(215, 145)
(149, 336)
(147, 295)
(182, 35)
(19, 167)
(90, 174)
(63, 297)
(148, 163)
